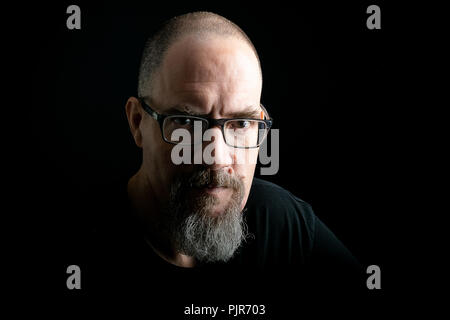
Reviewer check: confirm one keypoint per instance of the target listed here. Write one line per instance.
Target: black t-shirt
(291, 248)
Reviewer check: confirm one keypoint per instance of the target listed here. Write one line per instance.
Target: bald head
(197, 26)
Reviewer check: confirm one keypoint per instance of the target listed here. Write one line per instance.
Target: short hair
(200, 24)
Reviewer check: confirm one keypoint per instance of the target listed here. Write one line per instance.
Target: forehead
(199, 59)
(214, 70)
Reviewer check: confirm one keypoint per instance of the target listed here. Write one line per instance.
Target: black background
(331, 85)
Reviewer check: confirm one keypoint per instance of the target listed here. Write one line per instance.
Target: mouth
(212, 188)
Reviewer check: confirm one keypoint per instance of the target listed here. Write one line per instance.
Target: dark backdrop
(329, 83)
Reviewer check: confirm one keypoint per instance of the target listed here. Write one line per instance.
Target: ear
(134, 114)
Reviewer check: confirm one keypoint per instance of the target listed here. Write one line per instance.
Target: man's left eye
(243, 124)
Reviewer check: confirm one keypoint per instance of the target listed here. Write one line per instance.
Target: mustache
(206, 177)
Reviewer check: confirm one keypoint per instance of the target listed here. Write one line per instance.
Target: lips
(212, 186)
(209, 186)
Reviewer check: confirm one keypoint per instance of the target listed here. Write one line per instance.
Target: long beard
(193, 229)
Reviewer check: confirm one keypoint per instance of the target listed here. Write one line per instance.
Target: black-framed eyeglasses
(243, 133)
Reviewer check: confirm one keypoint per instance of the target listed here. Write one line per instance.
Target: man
(196, 69)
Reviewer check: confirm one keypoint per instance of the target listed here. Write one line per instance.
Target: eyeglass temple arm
(265, 112)
(149, 110)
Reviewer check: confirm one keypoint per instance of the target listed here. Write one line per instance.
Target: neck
(148, 210)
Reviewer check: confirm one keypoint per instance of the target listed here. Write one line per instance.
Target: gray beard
(191, 227)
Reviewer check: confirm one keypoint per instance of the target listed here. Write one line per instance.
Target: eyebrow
(252, 112)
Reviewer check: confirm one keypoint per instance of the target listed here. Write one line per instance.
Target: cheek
(246, 157)
(246, 172)
(245, 164)
(152, 144)
(249, 173)
(156, 159)
(158, 164)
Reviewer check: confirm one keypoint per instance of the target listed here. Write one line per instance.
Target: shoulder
(266, 188)
(280, 218)
(283, 221)
(272, 198)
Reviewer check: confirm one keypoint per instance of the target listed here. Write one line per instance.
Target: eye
(182, 121)
(242, 124)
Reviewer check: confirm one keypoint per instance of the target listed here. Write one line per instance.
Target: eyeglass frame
(159, 117)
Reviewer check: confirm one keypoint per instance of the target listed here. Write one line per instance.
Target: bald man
(200, 69)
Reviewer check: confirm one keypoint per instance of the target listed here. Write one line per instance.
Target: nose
(216, 153)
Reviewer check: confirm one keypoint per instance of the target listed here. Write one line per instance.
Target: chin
(217, 211)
